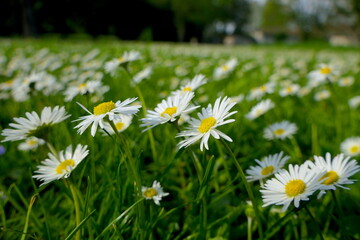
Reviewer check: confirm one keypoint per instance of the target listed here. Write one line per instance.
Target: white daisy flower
(111, 66)
(237, 99)
(303, 91)
(260, 109)
(321, 75)
(270, 165)
(184, 118)
(192, 85)
(337, 171)
(351, 146)
(105, 111)
(61, 166)
(225, 69)
(155, 192)
(209, 119)
(280, 130)
(33, 124)
(259, 92)
(7, 85)
(168, 110)
(296, 185)
(145, 73)
(289, 90)
(322, 95)
(354, 102)
(121, 124)
(181, 71)
(81, 89)
(346, 81)
(31, 143)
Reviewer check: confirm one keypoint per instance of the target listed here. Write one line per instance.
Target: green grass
(208, 199)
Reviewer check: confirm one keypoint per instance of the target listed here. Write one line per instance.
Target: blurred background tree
(182, 20)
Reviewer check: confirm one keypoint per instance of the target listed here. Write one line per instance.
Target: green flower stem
(337, 105)
(32, 201)
(296, 148)
(197, 165)
(341, 214)
(52, 149)
(314, 140)
(249, 232)
(315, 222)
(274, 228)
(248, 188)
(143, 103)
(131, 164)
(77, 209)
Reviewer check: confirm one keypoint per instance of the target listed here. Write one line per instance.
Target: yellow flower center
(263, 88)
(187, 89)
(64, 166)
(279, 131)
(289, 89)
(9, 82)
(354, 149)
(169, 111)
(32, 142)
(267, 170)
(150, 192)
(325, 70)
(331, 176)
(225, 68)
(104, 108)
(206, 124)
(82, 86)
(119, 125)
(120, 59)
(294, 187)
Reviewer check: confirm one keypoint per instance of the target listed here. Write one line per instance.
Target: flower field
(123, 140)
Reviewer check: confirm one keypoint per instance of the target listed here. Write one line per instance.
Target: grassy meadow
(208, 197)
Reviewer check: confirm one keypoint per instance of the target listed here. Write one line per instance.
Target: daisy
(111, 66)
(181, 71)
(209, 119)
(260, 109)
(289, 90)
(7, 85)
(303, 91)
(31, 143)
(168, 110)
(351, 146)
(192, 85)
(145, 73)
(225, 69)
(155, 192)
(120, 124)
(354, 102)
(296, 185)
(280, 130)
(60, 166)
(322, 95)
(259, 92)
(321, 75)
(270, 165)
(105, 111)
(346, 81)
(337, 171)
(81, 88)
(237, 99)
(34, 125)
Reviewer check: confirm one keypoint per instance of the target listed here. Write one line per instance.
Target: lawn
(301, 100)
